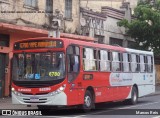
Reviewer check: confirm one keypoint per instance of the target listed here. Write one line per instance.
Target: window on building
(49, 6)
(100, 39)
(4, 40)
(4, 1)
(89, 59)
(131, 44)
(116, 64)
(114, 41)
(104, 60)
(31, 3)
(68, 9)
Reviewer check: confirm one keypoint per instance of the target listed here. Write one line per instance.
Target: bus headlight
(59, 90)
(15, 92)
(12, 89)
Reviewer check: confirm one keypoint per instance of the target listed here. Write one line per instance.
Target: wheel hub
(134, 96)
(87, 101)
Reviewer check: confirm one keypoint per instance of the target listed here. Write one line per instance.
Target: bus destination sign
(38, 44)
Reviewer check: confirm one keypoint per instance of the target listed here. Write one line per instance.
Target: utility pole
(54, 30)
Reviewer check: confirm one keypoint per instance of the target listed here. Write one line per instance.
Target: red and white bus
(67, 72)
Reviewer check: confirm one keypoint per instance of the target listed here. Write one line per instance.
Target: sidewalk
(6, 103)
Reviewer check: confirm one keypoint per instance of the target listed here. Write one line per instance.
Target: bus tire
(88, 101)
(134, 96)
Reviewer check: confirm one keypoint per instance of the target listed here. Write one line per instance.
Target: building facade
(20, 19)
(103, 25)
(96, 5)
(115, 35)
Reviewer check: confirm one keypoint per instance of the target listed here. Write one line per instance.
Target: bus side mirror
(72, 60)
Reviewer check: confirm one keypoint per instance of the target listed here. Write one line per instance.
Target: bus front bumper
(58, 99)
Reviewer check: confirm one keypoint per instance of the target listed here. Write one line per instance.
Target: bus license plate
(34, 99)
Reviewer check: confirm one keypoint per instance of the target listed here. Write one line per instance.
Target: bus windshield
(38, 66)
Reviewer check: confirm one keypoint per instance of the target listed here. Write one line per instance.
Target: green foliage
(145, 27)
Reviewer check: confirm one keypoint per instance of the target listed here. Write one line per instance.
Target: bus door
(2, 73)
(73, 64)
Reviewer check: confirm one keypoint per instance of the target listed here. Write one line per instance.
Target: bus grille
(41, 100)
(35, 94)
(34, 102)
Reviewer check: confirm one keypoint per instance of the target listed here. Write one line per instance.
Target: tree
(145, 27)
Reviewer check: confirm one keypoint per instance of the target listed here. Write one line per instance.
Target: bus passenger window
(142, 64)
(129, 60)
(145, 64)
(133, 63)
(104, 61)
(125, 62)
(116, 61)
(138, 63)
(89, 59)
(150, 64)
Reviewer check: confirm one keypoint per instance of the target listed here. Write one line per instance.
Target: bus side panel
(105, 94)
(104, 91)
(145, 90)
(100, 83)
(110, 94)
(100, 94)
(121, 83)
(145, 83)
(76, 91)
(72, 96)
(124, 92)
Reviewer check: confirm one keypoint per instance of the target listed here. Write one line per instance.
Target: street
(112, 110)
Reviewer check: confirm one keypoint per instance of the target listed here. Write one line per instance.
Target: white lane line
(139, 105)
(156, 117)
(74, 116)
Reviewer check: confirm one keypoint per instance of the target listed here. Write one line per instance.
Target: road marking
(120, 108)
(57, 116)
(139, 105)
(156, 117)
(96, 113)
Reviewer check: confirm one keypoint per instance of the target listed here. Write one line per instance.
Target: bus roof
(90, 43)
(138, 51)
(95, 45)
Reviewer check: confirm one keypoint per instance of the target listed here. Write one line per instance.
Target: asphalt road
(146, 105)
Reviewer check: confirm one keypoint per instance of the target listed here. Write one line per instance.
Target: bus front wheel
(88, 101)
